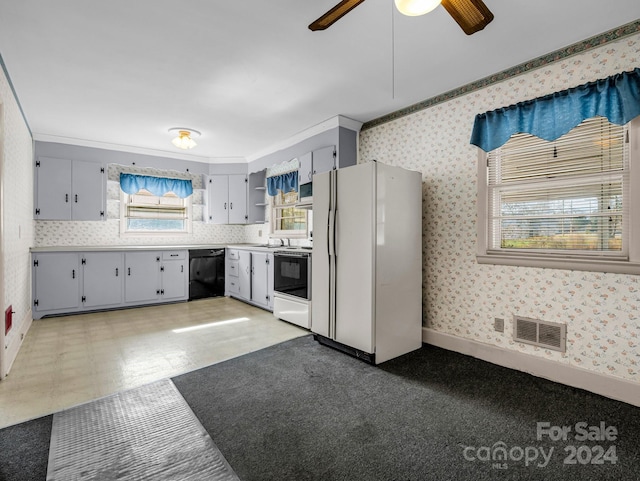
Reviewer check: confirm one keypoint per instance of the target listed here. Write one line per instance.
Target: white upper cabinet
(305, 172)
(237, 199)
(324, 159)
(69, 189)
(227, 199)
(316, 162)
(218, 199)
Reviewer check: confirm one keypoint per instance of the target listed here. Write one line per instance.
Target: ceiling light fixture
(183, 139)
(413, 8)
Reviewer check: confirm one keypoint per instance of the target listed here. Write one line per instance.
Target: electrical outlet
(498, 324)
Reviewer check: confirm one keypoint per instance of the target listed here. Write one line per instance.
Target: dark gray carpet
(301, 411)
(24, 450)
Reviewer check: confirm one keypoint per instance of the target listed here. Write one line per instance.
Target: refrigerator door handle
(331, 236)
(335, 234)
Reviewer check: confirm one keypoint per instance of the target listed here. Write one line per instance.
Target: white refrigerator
(366, 278)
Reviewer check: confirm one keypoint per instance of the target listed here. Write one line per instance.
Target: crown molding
(332, 123)
(117, 147)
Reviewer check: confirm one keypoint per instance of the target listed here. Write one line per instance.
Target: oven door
(292, 275)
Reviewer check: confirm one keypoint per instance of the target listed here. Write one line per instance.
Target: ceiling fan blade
(471, 15)
(335, 14)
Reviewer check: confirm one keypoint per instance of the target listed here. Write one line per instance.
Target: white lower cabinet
(232, 273)
(56, 282)
(244, 274)
(156, 276)
(102, 279)
(174, 281)
(249, 277)
(142, 279)
(67, 282)
(262, 279)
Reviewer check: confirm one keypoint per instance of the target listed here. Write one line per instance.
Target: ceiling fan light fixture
(413, 8)
(183, 139)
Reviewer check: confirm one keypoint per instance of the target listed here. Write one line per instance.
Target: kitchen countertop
(270, 248)
(252, 247)
(126, 248)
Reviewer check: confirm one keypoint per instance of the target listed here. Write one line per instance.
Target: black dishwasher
(206, 273)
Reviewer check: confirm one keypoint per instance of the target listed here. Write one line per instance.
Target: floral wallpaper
(461, 297)
(17, 185)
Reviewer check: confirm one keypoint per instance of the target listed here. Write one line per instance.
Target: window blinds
(565, 195)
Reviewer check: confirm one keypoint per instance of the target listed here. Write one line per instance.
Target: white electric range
(292, 285)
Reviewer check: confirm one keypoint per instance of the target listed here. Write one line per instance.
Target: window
(286, 220)
(568, 203)
(145, 213)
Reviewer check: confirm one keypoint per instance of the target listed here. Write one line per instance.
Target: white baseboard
(608, 386)
(15, 343)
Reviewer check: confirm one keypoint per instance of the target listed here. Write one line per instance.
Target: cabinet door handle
(182, 268)
(73, 274)
(231, 205)
(225, 206)
(116, 272)
(76, 198)
(66, 197)
(128, 271)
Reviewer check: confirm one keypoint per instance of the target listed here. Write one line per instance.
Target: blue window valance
(284, 182)
(132, 183)
(617, 98)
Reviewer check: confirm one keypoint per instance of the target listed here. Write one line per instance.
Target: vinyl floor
(69, 360)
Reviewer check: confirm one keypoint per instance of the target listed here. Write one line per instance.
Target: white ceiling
(249, 74)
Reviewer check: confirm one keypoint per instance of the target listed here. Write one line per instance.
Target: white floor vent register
(550, 335)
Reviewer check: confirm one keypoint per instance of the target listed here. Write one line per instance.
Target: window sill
(288, 235)
(573, 264)
(155, 234)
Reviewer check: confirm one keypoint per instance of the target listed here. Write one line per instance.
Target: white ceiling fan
(471, 15)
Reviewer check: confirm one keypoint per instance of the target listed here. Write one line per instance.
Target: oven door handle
(291, 254)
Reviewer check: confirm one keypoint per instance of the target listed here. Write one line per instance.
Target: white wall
(461, 297)
(18, 229)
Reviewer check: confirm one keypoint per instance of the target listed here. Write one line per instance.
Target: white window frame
(285, 234)
(583, 262)
(125, 232)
